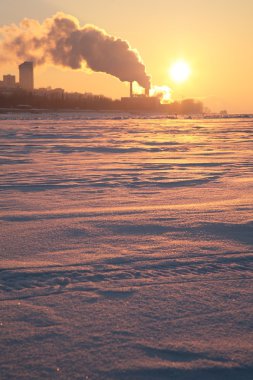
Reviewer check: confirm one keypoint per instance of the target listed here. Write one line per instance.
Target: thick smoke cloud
(61, 41)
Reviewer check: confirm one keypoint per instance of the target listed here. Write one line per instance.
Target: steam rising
(61, 41)
(163, 93)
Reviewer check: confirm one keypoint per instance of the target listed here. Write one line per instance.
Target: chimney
(131, 89)
(147, 91)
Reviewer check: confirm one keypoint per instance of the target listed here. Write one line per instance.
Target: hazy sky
(214, 37)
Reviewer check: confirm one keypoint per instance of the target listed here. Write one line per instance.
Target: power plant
(133, 102)
(140, 101)
(146, 92)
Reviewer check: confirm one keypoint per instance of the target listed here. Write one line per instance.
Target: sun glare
(180, 71)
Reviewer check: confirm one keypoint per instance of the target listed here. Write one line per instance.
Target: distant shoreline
(4, 111)
(59, 110)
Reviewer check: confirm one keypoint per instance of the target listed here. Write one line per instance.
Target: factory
(140, 101)
(10, 87)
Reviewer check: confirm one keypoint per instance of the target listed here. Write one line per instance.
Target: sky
(213, 37)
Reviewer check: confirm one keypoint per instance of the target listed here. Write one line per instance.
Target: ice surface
(126, 247)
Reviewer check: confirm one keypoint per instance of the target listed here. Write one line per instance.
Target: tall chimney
(131, 89)
(147, 91)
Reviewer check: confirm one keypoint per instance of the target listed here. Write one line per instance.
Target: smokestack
(61, 41)
(147, 91)
(131, 89)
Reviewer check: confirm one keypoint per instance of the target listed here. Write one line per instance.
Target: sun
(180, 71)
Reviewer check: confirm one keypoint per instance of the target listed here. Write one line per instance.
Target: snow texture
(126, 247)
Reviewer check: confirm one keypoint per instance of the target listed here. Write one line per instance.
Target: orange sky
(214, 37)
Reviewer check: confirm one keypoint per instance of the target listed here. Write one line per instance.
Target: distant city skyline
(22, 95)
(201, 32)
(25, 78)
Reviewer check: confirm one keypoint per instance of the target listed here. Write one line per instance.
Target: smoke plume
(61, 41)
(163, 93)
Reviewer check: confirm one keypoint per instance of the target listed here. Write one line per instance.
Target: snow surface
(126, 247)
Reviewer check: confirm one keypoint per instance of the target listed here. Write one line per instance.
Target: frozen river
(126, 248)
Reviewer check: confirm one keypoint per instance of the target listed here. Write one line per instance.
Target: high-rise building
(9, 81)
(26, 80)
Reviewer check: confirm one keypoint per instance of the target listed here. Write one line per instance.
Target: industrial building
(24, 89)
(140, 101)
(26, 78)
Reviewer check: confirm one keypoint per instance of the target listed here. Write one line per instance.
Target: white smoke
(60, 40)
(164, 93)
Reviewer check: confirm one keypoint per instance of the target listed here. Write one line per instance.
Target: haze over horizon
(214, 39)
